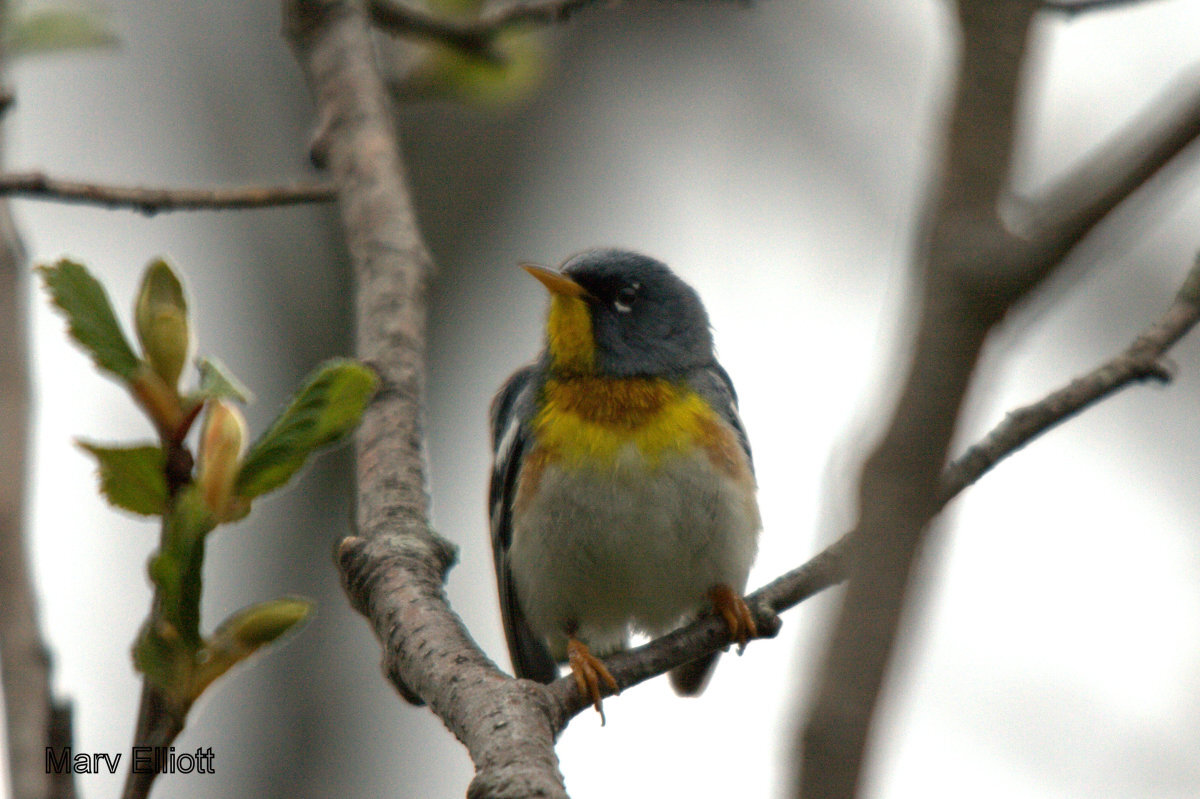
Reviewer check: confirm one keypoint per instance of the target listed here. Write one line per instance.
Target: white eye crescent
(625, 297)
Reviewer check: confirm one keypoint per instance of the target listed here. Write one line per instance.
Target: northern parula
(622, 492)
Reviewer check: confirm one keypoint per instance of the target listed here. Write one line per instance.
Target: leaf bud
(161, 319)
(222, 444)
(262, 623)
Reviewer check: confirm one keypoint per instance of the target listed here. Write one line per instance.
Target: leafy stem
(193, 494)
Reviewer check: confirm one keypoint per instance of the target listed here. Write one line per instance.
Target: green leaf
(217, 382)
(132, 478)
(90, 318)
(49, 30)
(328, 407)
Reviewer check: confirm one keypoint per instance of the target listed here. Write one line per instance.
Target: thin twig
(149, 201)
(1141, 361)
(473, 36)
(158, 724)
(24, 658)
(1072, 8)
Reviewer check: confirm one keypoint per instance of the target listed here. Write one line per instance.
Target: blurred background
(776, 156)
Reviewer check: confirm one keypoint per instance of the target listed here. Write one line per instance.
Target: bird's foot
(732, 607)
(589, 673)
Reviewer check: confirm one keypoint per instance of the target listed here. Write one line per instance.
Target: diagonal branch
(1139, 362)
(1065, 213)
(150, 201)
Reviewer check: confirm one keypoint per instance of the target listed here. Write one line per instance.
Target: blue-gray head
(621, 314)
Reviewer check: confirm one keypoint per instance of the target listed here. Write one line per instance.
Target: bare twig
(24, 658)
(158, 725)
(149, 201)
(1073, 7)
(393, 571)
(474, 36)
(709, 633)
(1139, 362)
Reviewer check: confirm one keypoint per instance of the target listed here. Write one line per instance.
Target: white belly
(604, 551)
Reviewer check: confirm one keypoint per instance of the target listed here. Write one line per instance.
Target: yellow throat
(585, 418)
(569, 330)
(588, 420)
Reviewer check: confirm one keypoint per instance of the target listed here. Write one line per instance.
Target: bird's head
(620, 314)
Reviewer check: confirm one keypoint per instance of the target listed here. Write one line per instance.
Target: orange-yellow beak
(555, 282)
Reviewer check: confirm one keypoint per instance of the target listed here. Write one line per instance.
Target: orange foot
(589, 672)
(736, 612)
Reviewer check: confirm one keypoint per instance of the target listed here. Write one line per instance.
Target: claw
(738, 618)
(589, 672)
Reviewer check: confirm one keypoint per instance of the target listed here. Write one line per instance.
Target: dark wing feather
(510, 413)
(714, 385)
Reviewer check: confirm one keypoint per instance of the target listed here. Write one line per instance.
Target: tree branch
(967, 246)
(150, 201)
(472, 36)
(1139, 362)
(34, 720)
(976, 269)
(1083, 6)
(393, 569)
(1065, 213)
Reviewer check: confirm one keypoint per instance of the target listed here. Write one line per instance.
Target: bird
(622, 496)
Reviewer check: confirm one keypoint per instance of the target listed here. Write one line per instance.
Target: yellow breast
(588, 420)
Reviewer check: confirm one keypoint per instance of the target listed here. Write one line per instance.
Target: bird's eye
(625, 297)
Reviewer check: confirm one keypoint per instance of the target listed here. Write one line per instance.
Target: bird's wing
(510, 412)
(714, 385)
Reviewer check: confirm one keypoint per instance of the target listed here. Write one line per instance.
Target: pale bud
(263, 623)
(161, 319)
(222, 444)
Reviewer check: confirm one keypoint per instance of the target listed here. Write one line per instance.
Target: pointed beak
(555, 282)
